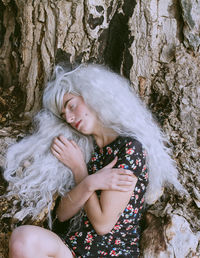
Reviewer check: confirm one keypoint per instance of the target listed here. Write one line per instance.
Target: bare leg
(32, 241)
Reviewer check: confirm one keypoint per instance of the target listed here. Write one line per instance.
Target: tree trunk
(155, 43)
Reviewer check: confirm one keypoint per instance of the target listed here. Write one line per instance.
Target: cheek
(89, 118)
(86, 112)
(83, 113)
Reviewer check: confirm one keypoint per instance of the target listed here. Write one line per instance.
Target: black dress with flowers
(123, 239)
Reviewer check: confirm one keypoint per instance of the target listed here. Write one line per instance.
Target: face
(78, 114)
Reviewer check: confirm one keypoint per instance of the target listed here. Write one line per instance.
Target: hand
(109, 178)
(69, 153)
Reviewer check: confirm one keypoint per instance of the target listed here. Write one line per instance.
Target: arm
(104, 213)
(73, 201)
(68, 153)
(107, 178)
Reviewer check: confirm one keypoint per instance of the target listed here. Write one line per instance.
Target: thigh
(41, 240)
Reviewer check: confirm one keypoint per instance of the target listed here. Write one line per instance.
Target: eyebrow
(65, 104)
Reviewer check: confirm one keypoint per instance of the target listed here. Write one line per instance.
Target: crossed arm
(116, 184)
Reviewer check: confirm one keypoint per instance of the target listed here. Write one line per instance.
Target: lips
(77, 124)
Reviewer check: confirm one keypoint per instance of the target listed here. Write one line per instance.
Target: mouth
(77, 124)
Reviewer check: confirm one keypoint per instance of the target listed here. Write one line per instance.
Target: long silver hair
(119, 108)
(110, 95)
(35, 176)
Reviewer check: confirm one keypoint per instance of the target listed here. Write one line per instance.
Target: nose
(70, 118)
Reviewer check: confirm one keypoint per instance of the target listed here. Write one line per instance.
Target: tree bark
(155, 44)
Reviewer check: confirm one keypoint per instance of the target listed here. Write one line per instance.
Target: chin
(85, 131)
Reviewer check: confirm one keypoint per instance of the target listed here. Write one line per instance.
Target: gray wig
(112, 98)
(35, 176)
(118, 107)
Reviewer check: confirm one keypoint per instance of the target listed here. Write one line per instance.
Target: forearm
(74, 200)
(95, 212)
(103, 213)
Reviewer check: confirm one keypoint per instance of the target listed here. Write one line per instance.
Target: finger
(122, 180)
(63, 139)
(125, 183)
(55, 153)
(123, 188)
(121, 171)
(112, 163)
(129, 178)
(58, 143)
(128, 172)
(56, 148)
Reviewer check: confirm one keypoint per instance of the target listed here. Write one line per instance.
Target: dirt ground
(11, 108)
(7, 224)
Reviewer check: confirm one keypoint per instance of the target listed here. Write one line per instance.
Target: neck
(104, 136)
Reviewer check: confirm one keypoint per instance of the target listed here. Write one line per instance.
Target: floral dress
(123, 239)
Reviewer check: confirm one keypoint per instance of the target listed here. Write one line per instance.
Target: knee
(21, 242)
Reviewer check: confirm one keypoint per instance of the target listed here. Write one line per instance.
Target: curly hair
(117, 106)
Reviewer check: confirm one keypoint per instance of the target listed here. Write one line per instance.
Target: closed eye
(64, 106)
(72, 107)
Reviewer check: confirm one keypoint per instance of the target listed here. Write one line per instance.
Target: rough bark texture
(155, 43)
